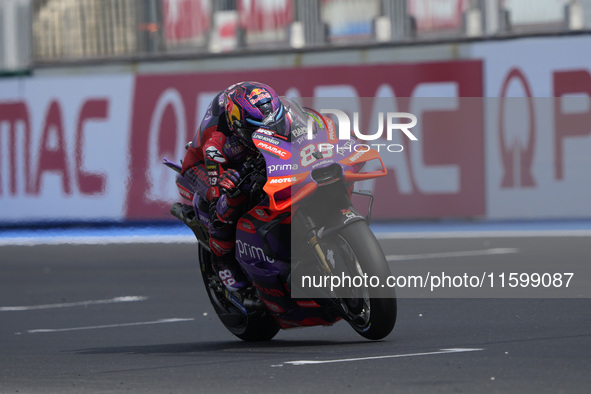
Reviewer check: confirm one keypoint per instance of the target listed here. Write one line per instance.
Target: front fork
(326, 212)
(301, 221)
(314, 224)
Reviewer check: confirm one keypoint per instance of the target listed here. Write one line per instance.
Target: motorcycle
(300, 224)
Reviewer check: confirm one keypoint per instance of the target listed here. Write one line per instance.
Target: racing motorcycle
(300, 225)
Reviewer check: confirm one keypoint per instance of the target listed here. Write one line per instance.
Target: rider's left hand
(229, 182)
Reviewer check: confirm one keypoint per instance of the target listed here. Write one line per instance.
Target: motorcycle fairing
(269, 275)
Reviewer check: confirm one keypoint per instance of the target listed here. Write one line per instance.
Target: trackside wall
(85, 143)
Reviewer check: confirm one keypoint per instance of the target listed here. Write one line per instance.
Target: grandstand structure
(41, 32)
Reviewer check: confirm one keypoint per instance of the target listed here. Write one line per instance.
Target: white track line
(161, 321)
(344, 360)
(451, 234)
(71, 304)
(98, 240)
(463, 253)
(190, 239)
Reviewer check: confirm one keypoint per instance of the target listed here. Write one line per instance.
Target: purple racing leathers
(216, 150)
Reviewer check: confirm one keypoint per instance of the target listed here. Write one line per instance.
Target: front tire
(255, 326)
(372, 311)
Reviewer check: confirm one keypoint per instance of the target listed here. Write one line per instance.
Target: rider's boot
(227, 267)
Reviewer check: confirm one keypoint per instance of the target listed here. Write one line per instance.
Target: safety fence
(54, 31)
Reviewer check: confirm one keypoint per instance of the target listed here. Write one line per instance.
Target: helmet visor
(275, 121)
(286, 118)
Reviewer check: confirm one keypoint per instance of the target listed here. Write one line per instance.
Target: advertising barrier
(64, 147)
(492, 142)
(538, 131)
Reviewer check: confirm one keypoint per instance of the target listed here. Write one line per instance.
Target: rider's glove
(229, 181)
(225, 210)
(215, 223)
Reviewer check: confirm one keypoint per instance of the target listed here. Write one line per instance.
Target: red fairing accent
(273, 307)
(185, 193)
(308, 304)
(220, 248)
(246, 225)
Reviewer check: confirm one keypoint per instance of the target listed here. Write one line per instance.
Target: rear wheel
(371, 311)
(253, 326)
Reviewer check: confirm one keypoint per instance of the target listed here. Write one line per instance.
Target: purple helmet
(251, 105)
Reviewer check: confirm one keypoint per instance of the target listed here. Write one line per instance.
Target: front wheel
(254, 326)
(371, 311)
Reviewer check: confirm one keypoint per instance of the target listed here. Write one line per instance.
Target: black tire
(374, 311)
(256, 326)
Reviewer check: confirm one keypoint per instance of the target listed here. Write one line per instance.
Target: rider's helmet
(252, 105)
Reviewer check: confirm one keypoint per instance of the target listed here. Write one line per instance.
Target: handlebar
(251, 172)
(254, 164)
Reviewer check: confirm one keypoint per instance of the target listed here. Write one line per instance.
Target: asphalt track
(134, 318)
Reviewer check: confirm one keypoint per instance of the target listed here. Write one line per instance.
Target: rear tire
(372, 313)
(256, 326)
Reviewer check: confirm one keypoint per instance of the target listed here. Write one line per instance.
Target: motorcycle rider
(223, 142)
